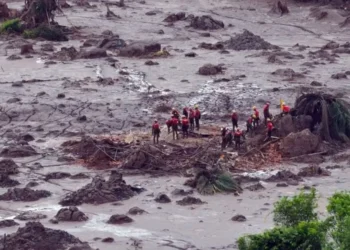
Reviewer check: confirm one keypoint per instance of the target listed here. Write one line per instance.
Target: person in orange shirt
(269, 128)
(285, 109)
(175, 127)
(185, 125)
(191, 116)
(250, 124)
(257, 117)
(155, 132)
(237, 138)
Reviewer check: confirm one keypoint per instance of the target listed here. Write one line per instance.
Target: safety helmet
(268, 119)
(196, 106)
(183, 116)
(173, 108)
(267, 103)
(283, 103)
(155, 120)
(253, 116)
(233, 111)
(254, 108)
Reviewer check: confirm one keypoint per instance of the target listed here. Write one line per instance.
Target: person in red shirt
(257, 117)
(168, 124)
(267, 112)
(191, 117)
(185, 112)
(185, 125)
(197, 116)
(285, 109)
(175, 126)
(234, 118)
(175, 113)
(250, 124)
(237, 138)
(155, 132)
(269, 128)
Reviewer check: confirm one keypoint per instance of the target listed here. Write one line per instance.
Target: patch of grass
(11, 26)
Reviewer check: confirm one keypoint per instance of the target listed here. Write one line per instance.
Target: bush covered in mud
(50, 33)
(298, 225)
(11, 26)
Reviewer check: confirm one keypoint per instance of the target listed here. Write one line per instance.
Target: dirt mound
(239, 218)
(284, 175)
(175, 17)
(118, 219)
(57, 175)
(65, 54)
(35, 236)
(299, 143)
(18, 151)
(8, 223)
(323, 55)
(8, 166)
(206, 23)
(210, 69)
(70, 214)
(318, 14)
(30, 215)
(162, 198)
(140, 49)
(248, 41)
(291, 124)
(211, 46)
(24, 194)
(255, 187)
(100, 191)
(181, 192)
(189, 200)
(110, 43)
(136, 211)
(92, 54)
(80, 176)
(288, 73)
(313, 171)
(6, 181)
(100, 154)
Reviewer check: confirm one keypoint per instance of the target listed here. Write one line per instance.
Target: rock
(239, 218)
(136, 211)
(248, 41)
(152, 13)
(160, 32)
(6, 181)
(282, 184)
(205, 34)
(70, 214)
(279, 8)
(61, 96)
(316, 84)
(18, 151)
(41, 93)
(288, 124)
(26, 49)
(162, 198)
(331, 45)
(13, 100)
(313, 171)
(191, 54)
(206, 23)
(275, 89)
(14, 57)
(92, 54)
(255, 187)
(211, 46)
(80, 176)
(65, 54)
(288, 73)
(151, 63)
(299, 143)
(100, 191)
(82, 118)
(111, 43)
(26, 137)
(8, 167)
(35, 236)
(210, 69)
(47, 47)
(139, 49)
(32, 184)
(283, 176)
(175, 17)
(30, 215)
(118, 219)
(65, 158)
(24, 194)
(17, 84)
(108, 240)
(57, 175)
(318, 14)
(8, 223)
(189, 200)
(339, 76)
(181, 192)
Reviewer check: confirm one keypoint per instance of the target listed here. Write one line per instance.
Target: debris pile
(175, 17)
(210, 69)
(70, 214)
(24, 194)
(8, 223)
(35, 236)
(118, 219)
(17, 151)
(6, 181)
(189, 200)
(313, 171)
(100, 191)
(8, 167)
(248, 41)
(206, 23)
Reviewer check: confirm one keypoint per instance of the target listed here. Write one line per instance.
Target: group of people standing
(190, 120)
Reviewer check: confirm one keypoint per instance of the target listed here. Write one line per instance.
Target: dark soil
(8, 223)
(6, 181)
(57, 175)
(136, 211)
(181, 192)
(24, 194)
(80, 176)
(35, 236)
(100, 191)
(70, 214)
(162, 198)
(284, 176)
(30, 215)
(206, 23)
(189, 200)
(255, 187)
(119, 219)
(18, 151)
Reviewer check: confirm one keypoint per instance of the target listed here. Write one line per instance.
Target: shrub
(290, 212)
(12, 25)
(339, 205)
(51, 33)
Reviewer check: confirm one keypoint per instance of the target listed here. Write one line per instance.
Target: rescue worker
(237, 138)
(185, 125)
(256, 118)
(250, 124)
(191, 116)
(269, 128)
(197, 116)
(226, 137)
(234, 118)
(175, 113)
(155, 132)
(185, 112)
(267, 112)
(168, 124)
(285, 109)
(175, 127)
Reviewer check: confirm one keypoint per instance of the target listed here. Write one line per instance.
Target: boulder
(8, 166)
(162, 198)
(8, 223)
(70, 214)
(93, 53)
(140, 49)
(119, 219)
(18, 151)
(189, 200)
(313, 171)
(206, 23)
(300, 143)
(6, 181)
(57, 175)
(239, 218)
(175, 17)
(210, 69)
(111, 43)
(136, 211)
(26, 49)
(24, 194)
(288, 124)
(30, 215)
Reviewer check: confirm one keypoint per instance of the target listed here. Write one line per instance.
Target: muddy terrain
(76, 115)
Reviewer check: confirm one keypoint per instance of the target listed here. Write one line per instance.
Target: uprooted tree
(37, 12)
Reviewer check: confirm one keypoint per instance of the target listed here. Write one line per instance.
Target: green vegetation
(51, 33)
(298, 227)
(11, 26)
